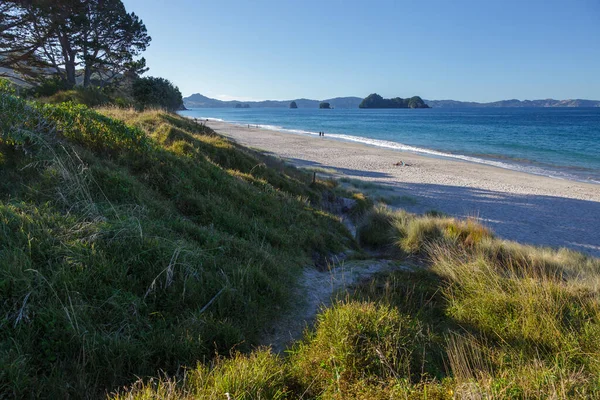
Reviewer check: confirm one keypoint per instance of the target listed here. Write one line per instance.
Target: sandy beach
(517, 206)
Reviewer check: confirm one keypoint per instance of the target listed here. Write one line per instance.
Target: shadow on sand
(532, 219)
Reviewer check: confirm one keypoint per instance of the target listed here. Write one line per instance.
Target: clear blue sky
(481, 50)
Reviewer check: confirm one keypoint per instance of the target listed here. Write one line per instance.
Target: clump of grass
(412, 234)
(259, 375)
(376, 228)
(361, 205)
(355, 342)
(396, 200)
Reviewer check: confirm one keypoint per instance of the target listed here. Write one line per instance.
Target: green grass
(138, 249)
(486, 319)
(133, 243)
(242, 377)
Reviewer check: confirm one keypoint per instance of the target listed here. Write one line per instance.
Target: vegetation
(487, 319)
(293, 104)
(41, 40)
(141, 244)
(325, 105)
(376, 101)
(150, 92)
(138, 242)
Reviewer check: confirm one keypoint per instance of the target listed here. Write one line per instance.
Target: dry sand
(517, 206)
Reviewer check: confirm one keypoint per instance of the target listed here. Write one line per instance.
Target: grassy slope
(131, 248)
(487, 319)
(128, 248)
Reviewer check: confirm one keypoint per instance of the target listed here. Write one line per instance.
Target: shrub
(7, 86)
(48, 87)
(151, 92)
(85, 96)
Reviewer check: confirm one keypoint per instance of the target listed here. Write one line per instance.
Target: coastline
(518, 206)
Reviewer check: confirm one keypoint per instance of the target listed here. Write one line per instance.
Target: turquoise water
(558, 142)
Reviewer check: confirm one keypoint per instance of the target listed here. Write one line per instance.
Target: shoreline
(532, 167)
(518, 206)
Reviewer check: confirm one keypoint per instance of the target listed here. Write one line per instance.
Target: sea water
(558, 142)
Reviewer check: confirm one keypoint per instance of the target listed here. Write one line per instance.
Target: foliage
(376, 101)
(48, 87)
(151, 92)
(132, 247)
(324, 105)
(90, 97)
(7, 86)
(52, 39)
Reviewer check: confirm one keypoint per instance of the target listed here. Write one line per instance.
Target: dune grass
(141, 255)
(487, 319)
(133, 243)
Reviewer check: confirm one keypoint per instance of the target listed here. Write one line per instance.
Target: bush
(154, 92)
(48, 87)
(85, 96)
(7, 86)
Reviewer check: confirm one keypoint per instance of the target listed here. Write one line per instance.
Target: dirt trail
(317, 289)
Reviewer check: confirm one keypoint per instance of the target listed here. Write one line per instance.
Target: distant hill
(199, 101)
(515, 103)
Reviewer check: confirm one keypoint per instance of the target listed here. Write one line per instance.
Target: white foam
(208, 119)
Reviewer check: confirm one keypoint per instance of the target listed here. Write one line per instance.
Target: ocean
(558, 142)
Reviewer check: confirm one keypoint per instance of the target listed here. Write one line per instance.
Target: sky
(482, 50)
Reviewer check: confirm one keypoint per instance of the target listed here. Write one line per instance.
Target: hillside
(514, 103)
(133, 242)
(199, 101)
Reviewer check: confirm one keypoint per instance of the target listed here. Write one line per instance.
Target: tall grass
(523, 320)
(137, 245)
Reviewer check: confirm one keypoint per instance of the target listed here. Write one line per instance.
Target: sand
(515, 205)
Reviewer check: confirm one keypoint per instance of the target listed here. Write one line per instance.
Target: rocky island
(376, 101)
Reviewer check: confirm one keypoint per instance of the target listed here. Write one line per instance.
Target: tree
(293, 104)
(44, 38)
(324, 105)
(156, 92)
(110, 41)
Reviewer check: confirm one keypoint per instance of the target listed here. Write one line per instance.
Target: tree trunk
(87, 76)
(69, 57)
